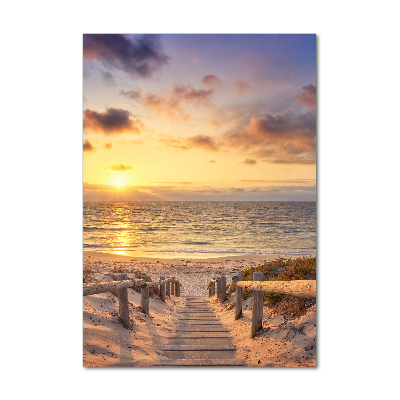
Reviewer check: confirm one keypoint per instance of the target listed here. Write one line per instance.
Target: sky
(199, 117)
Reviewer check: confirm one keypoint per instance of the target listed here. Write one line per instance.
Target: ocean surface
(200, 229)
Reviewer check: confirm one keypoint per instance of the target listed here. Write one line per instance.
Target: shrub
(285, 270)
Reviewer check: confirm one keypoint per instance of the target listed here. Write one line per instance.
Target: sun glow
(119, 181)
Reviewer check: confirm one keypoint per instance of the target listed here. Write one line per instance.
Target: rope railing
(298, 288)
(168, 287)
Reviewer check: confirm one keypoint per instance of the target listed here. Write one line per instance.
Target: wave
(192, 242)
(143, 229)
(108, 247)
(186, 250)
(97, 228)
(229, 251)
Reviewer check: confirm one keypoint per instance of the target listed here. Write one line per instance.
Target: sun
(119, 181)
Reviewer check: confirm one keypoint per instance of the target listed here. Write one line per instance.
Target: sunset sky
(199, 117)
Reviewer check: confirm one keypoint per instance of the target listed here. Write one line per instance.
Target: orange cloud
(171, 104)
(240, 86)
(111, 122)
(212, 80)
(204, 142)
(168, 106)
(249, 161)
(174, 143)
(288, 138)
(199, 141)
(121, 168)
(308, 97)
(87, 146)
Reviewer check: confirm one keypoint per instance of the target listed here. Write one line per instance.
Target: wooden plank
(299, 288)
(162, 288)
(195, 313)
(200, 328)
(158, 283)
(199, 334)
(144, 298)
(167, 288)
(196, 341)
(202, 363)
(173, 288)
(200, 323)
(214, 354)
(239, 297)
(123, 302)
(104, 287)
(206, 347)
(205, 320)
(257, 305)
(231, 288)
(197, 302)
(218, 287)
(223, 288)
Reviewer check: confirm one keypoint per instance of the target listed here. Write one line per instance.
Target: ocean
(200, 229)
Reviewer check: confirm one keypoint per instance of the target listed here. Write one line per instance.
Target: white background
(358, 217)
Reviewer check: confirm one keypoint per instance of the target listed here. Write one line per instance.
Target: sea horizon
(200, 229)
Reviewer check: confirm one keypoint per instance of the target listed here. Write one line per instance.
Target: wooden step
(191, 315)
(201, 312)
(200, 354)
(190, 307)
(192, 301)
(197, 334)
(205, 319)
(201, 328)
(196, 341)
(200, 338)
(198, 322)
(203, 363)
(204, 347)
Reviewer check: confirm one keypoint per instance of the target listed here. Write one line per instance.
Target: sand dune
(283, 342)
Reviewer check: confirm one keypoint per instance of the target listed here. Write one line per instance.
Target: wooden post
(162, 288)
(173, 288)
(212, 288)
(123, 302)
(257, 312)
(210, 291)
(144, 304)
(218, 286)
(177, 290)
(167, 291)
(223, 288)
(239, 297)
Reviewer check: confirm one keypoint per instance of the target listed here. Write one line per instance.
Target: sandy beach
(283, 341)
(193, 273)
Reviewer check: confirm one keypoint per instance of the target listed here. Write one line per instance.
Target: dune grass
(285, 270)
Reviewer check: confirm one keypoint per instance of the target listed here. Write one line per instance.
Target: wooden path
(201, 339)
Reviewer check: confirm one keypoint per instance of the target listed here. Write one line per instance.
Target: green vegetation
(285, 270)
(232, 305)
